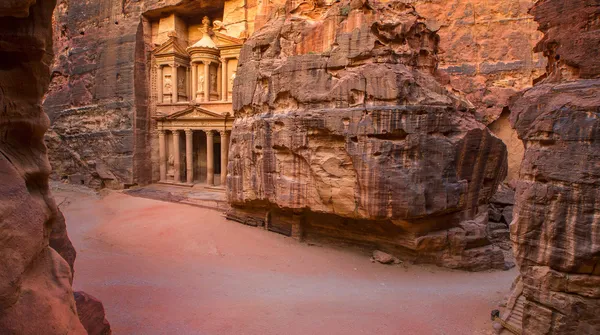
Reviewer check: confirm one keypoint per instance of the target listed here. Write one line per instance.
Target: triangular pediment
(194, 113)
(223, 40)
(169, 48)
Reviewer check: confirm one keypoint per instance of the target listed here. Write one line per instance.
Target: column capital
(206, 62)
(209, 133)
(176, 132)
(161, 132)
(188, 131)
(224, 132)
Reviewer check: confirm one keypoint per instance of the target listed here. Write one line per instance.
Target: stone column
(224, 154)
(159, 84)
(189, 155)
(207, 81)
(175, 84)
(210, 159)
(187, 83)
(224, 80)
(176, 156)
(194, 81)
(162, 155)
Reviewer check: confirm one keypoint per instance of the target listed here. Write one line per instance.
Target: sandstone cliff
(342, 133)
(36, 296)
(556, 223)
(35, 289)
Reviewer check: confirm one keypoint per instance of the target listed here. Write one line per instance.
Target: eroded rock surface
(35, 281)
(556, 224)
(342, 133)
(486, 49)
(36, 255)
(91, 314)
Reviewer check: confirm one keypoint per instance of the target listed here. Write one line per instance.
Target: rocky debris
(504, 196)
(556, 212)
(500, 217)
(384, 258)
(343, 133)
(507, 214)
(91, 314)
(36, 296)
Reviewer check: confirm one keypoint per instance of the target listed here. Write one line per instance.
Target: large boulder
(556, 228)
(342, 133)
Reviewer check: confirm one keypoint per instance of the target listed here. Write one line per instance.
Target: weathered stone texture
(338, 114)
(91, 313)
(556, 225)
(99, 126)
(486, 49)
(35, 289)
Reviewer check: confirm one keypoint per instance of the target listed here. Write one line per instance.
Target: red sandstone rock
(384, 258)
(486, 49)
(342, 133)
(91, 314)
(555, 227)
(59, 241)
(35, 290)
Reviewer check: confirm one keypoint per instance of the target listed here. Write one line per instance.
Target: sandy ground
(165, 268)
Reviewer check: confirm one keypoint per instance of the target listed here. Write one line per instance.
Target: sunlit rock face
(35, 281)
(343, 134)
(556, 226)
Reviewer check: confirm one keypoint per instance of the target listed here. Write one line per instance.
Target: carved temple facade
(194, 68)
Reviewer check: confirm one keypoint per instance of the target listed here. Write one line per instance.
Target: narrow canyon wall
(35, 281)
(96, 102)
(36, 255)
(343, 134)
(556, 226)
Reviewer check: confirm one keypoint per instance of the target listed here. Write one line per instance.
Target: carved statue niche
(168, 85)
(200, 83)
(171, 164)
(181, 85)
(213, 82)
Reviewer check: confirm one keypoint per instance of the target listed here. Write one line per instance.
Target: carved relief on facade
(191, 75)
(168, 85)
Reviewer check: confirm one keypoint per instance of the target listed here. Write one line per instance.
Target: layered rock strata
(35, 281)
(342, 134)
(36, 256)
(556, 225)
